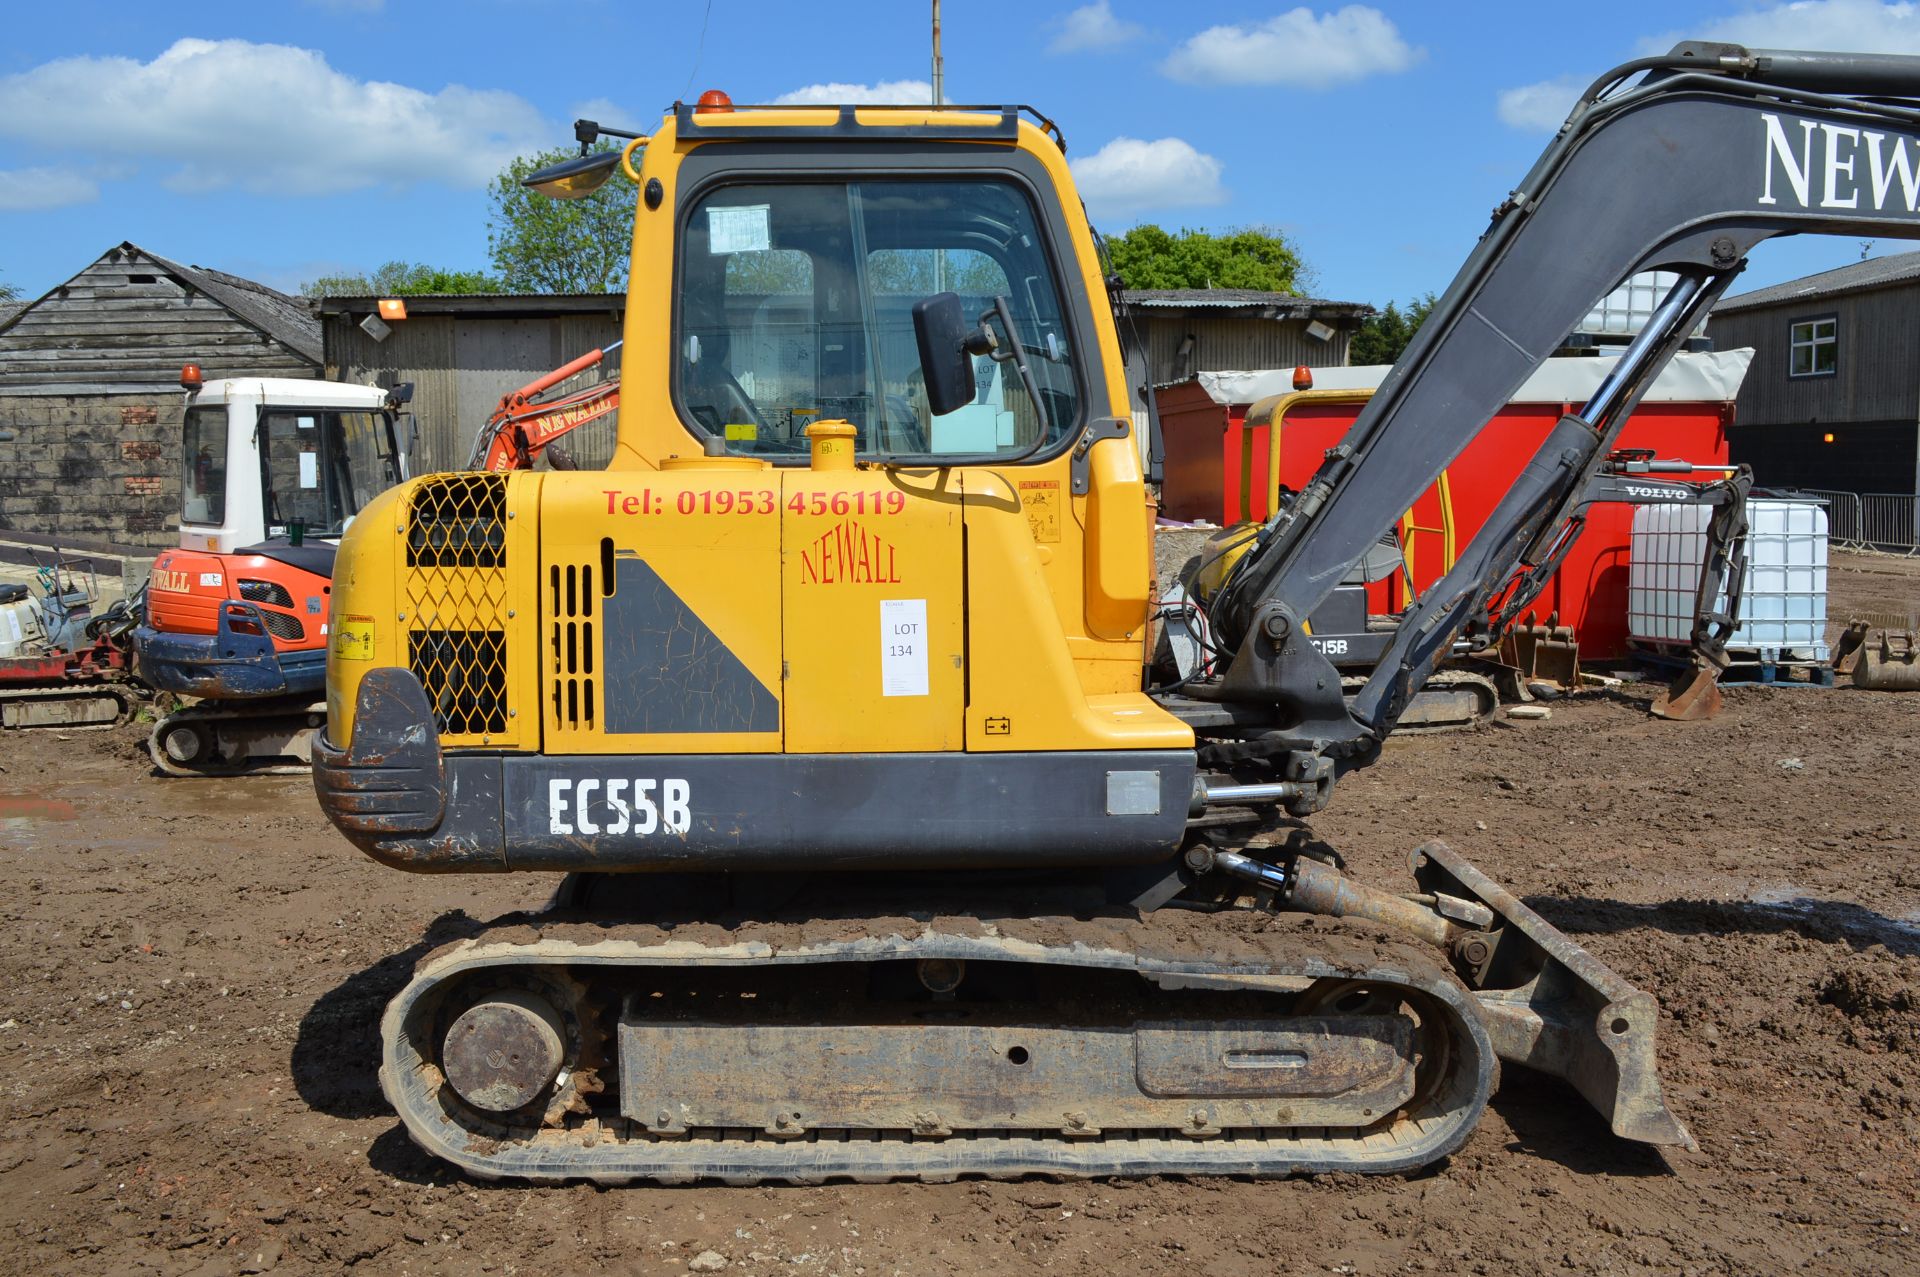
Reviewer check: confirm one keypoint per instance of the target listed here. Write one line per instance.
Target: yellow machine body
(872, 608)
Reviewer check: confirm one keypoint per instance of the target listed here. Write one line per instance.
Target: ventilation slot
(458, 521)
(465, 676)
(571, 590)
(282, 626)
(265, 592)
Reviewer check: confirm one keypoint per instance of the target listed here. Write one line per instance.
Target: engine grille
(282, 625)
(265, 592)
(455, 591)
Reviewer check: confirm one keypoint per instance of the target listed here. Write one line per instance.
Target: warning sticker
(903, 647)
(1040, 498)
(353, 641)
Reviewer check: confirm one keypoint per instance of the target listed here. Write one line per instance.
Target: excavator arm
(1716, 148)
(524, 425)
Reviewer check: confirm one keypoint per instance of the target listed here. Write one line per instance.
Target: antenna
(937, 96)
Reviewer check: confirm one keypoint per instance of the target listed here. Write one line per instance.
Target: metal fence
(1886, 521)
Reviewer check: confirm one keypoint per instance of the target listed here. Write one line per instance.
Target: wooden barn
(90, 389)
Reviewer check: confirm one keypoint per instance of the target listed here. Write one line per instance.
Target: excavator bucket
(1846, 653)
(1891, 665)
(1547, 653)
(1692, 697)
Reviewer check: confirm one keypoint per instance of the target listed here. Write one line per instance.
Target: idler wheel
(185, 743)
(502, 1054)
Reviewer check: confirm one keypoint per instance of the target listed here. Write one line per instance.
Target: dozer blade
(1694, 696)
(1549, 1004)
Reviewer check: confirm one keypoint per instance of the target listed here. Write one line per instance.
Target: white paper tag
(903, 647)
(309, 469)
(739, 230)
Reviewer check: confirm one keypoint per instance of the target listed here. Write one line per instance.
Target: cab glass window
(796, 304)
(203, 475)
(320, 467)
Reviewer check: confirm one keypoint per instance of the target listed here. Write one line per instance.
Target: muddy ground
(191, 974)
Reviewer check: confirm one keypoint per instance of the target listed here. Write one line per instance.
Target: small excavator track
(1450, 699)
(559, 1048)
(215, 738)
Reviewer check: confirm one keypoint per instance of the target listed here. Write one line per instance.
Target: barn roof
(1248, 300)
(1860, 277)
(288, 320)
(285, 319)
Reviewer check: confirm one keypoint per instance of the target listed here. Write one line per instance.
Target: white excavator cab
(262, 455)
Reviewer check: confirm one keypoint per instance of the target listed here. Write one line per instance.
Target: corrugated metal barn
(1195, 330)
(1833, 397)
(90, 388)
(463, 353)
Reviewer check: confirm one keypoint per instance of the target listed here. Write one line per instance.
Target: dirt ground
(191, 975)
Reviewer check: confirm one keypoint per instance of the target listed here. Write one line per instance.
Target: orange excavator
(236, 616)
(525, 425)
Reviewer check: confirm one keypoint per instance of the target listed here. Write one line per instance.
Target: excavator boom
(1715, 150)
(524, 425)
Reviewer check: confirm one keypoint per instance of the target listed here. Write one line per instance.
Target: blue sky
(287, 140)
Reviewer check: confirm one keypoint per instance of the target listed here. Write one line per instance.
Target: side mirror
(941, 330)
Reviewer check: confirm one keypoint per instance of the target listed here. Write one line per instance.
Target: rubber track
(616, 1152)
(252, 765)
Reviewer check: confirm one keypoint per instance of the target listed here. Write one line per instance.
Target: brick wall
(96, 467)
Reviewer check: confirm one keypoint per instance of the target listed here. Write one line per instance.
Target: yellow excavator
(885, 856)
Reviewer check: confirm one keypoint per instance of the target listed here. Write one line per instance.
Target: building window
(1813, 347)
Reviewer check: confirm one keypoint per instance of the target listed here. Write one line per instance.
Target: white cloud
(1833, 25)
(1542, 107)
(1128, 175)
(24, 190)
(1092, 27)
(1876, 26)
(886, 92)
(1298, 48)
(269, 118)
(604, 111)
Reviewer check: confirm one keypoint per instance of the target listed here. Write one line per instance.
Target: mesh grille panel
(265, 592)
(456, 603)
(281, 625)
(464, 672)
(459, 521)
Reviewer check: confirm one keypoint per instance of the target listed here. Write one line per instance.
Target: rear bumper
(225, 665)
(399, 799)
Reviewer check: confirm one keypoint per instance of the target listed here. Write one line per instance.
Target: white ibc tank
(1783, 614)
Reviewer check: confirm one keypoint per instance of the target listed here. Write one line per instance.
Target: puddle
(1849, 918)
(17, 810)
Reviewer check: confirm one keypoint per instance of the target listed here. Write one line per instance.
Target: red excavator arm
(523, 426)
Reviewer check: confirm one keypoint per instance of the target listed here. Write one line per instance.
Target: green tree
(542, 245)
(1382, 336)
(403, 279)
(1258, 257)
(8, 293)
